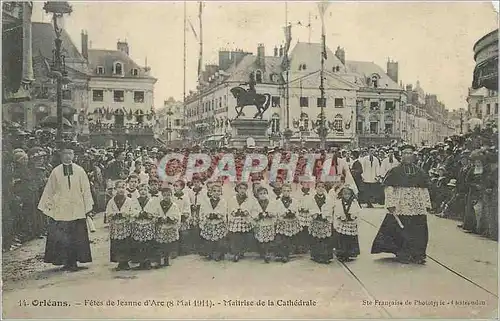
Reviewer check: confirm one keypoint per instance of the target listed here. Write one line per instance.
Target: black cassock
(410, 242)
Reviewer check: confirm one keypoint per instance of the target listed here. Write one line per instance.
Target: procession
(380, 203)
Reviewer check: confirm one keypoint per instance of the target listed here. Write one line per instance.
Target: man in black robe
(404, 229)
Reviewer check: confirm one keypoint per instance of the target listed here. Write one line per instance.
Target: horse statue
(250, 98)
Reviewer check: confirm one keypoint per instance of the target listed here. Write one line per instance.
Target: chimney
(261, 56)
(224, 59)
(409, 87)
(281, 50)
(275, 51)
(392, 70)
(340, 54)
(85, 45)
(122, 46)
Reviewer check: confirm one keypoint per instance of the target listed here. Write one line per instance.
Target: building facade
(170, 123)
(486, 57)
(482, 106)
(17, 63)
(121, 97)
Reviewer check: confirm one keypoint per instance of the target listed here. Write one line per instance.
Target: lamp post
(58, 9)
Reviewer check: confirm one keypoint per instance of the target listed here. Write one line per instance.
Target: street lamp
(58, 9)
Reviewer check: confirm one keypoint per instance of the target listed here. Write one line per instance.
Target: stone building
(170, 123)
(121, 96)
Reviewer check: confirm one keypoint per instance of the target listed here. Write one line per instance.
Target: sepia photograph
(249, 160)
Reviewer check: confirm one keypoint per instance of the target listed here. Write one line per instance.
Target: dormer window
(302, 67)
(258, 77)
(100, 70)
(135, 72)
(375, 80)
(337, 68)
(118, 68)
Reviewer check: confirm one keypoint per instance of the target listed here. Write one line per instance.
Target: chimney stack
(392, 70)
(340, 54)
(85, 45)
(122, 46)
(275, 51)
(261, 56)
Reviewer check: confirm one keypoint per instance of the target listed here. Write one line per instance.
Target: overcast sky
(431, 41)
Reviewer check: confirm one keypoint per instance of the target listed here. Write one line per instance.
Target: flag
(323, 6)
(288, 40)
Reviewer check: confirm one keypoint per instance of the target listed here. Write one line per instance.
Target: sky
(432, 41)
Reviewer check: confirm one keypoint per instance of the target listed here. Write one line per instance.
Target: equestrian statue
(250, 98)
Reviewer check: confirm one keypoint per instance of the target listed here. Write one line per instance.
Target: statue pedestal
(242, 129)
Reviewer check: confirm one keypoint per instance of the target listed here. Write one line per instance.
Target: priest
(67, 200)
(404, 230)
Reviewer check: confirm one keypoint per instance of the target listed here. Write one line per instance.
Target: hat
(20, 156)
(476, 155)
(36, 152)
(407, 146)
(453, 182)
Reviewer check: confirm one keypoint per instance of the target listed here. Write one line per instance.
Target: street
(458, 281)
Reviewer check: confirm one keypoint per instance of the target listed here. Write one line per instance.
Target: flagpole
(200, 62)
(184, 88)
(287, 133)
(322, 127)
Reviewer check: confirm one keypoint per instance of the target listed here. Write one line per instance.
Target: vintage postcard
(249, 160)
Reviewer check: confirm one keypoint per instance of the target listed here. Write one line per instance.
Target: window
(337, 123)
(388, 128)
(118, 68)
(66, 94)
(375, 81)
(339, 102)
(374, 105)
(496, 108)
(225, 101)
(321, 102)
(213, 105)
(488, 109)
(337, 68)
(302, 67)
(119, 96)
(304, 101)
(177, 122)
(477, 108)
(389, 105)
(275, 123)
(258, 77)
(374, 127)
(359, 127)
(135, 72)
(138, 96)
(220, 102)
(98, 95)
(100, 70)
(275, 101)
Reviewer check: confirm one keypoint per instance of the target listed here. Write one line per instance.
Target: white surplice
(387, 165)
(371, 169)
(62, 202)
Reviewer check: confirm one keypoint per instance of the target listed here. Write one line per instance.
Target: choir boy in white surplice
(167, 227)
(182, 200)
(143, 227)
(67, 200)
(132, 183)
(320, 229)
(119, 212)
(265, 212)
(213, 222)
(197, 192)
(305, 197)
(345, 224)
(287, 225)
(371, 172)
(240, 222)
